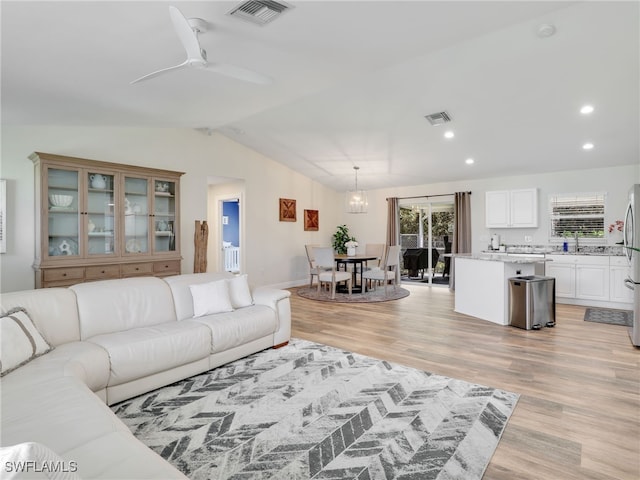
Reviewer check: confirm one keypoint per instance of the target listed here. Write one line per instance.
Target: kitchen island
(482, 283)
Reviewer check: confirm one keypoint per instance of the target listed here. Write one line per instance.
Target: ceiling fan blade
(187, 35)
(160, 72)
(239, 73)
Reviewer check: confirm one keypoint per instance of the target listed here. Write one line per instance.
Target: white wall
(274, 253)
(615, 181)
(275, 250)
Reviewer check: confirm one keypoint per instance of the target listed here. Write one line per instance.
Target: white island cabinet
(482, 284)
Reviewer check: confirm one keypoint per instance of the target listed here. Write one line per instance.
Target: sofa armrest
(278, 300)
(269, 296)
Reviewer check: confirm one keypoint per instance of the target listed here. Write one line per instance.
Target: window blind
(581, 213)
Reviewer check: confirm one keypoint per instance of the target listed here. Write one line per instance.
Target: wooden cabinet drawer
(100, 272)
(134, 269)
(169, 267)
(63, 274)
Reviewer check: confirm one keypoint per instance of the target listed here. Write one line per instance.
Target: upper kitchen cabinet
(512, 208)
(98, 220)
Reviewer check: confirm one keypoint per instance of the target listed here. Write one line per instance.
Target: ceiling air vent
(438, 118)
(259, 11)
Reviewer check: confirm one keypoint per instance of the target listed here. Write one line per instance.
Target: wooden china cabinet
(98, 220)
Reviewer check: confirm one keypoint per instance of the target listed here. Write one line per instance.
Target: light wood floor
(578, 416)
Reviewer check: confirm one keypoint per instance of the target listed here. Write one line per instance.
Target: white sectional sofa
(113, 340)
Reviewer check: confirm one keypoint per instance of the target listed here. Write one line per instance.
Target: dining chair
(376, 249)
(388, 271)
(313, 270)
(327, 273)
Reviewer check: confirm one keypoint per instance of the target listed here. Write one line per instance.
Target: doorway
(426, 236)
(231, 248)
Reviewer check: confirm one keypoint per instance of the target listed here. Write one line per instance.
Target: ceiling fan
(188, 30)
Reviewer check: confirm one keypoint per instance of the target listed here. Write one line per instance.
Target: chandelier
(356, 200)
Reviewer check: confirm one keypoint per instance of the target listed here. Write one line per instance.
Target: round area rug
(376, 295)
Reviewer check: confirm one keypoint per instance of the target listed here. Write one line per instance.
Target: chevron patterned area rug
(371, 296)
(313, 411)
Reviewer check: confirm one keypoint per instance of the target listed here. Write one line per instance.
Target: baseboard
(594, 303)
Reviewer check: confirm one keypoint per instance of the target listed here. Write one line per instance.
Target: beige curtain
(393, 221)
(393, 227)
(462, 229)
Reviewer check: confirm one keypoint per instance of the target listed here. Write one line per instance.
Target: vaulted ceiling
(352, 82)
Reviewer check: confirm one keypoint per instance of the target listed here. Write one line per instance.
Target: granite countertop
(604, 250)
(591, 253)
(501, 257)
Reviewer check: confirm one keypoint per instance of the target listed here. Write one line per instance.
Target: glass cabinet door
(136, 215)
(164, 204)
(100, 217)
(63, 225)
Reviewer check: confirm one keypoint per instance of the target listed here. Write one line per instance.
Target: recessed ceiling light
(587, 146)
(449, 134)
(469, 161)
(586, 109)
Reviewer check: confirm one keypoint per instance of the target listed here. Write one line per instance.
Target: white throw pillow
(20, 340)
(34, 460)
(239, 292)
(209, 298)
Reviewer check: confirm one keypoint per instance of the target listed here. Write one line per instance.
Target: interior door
(231, 235)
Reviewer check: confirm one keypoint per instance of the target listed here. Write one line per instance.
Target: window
(581, 213)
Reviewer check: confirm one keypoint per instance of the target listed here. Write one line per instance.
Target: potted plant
(340, 239)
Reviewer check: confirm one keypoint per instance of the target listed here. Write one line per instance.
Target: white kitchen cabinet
(563, 269)
(511, 208)
(497, 209)
(592, 278)
(619, 270)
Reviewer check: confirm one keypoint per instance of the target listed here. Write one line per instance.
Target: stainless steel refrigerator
(632, 239)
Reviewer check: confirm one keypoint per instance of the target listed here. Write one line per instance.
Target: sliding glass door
(426, 235)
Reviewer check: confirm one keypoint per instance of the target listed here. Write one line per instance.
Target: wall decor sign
(3, 216)
(287, 210)
(311, 220)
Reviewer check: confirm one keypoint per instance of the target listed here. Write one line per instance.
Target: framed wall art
(311, 220)
(287, 210)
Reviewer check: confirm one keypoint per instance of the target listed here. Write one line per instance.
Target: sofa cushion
(117, 305)
(84, 360)
(239, 291)
(209, 298)
(20, 340)
(179, 285)
(53, 311)
(140, 352)
(241, 326)
(61, 413)
(119, 455)
(35, 461)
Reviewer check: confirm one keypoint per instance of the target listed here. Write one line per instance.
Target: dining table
(358, 260)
